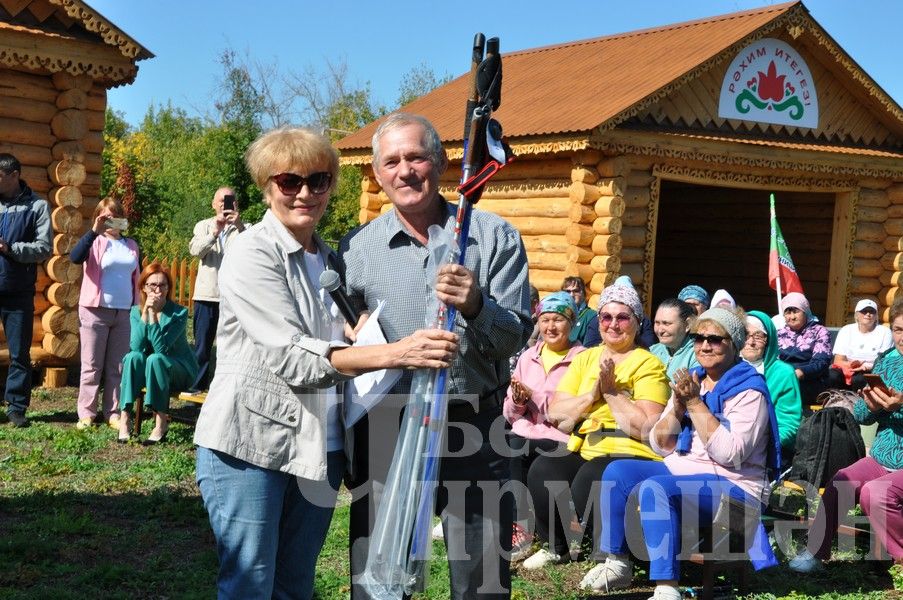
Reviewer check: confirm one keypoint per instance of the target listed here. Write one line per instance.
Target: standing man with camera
(386, 260)
(211, 238)
(26, 239)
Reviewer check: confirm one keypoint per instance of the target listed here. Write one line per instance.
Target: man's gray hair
(400, 119)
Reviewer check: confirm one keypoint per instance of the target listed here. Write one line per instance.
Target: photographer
(211, 238)
(109, 289)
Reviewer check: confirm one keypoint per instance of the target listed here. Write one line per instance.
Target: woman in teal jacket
(160, 360)
(761, 351)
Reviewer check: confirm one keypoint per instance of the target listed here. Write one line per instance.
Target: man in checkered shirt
(386, 260)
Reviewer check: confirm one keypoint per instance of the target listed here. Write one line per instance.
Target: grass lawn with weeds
(84, 517)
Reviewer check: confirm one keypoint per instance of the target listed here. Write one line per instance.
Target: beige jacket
(210, 248)
(267, 402)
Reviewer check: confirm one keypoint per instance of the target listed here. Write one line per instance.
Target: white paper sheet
(364, 391)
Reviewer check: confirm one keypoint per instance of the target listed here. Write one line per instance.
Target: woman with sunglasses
(160, 361)
(857, 346)
(673, 320)
(270, 435)
(606, 401)
(717, 436)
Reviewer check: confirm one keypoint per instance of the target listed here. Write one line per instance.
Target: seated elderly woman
(645, 336)
(805, 345)
(717, 434)
(761, 351)
(607, 400)
(722, 298)
(533, 383)
(673, 320)
(857, 346)
(695, 296)
(270, 437)
(160, 359)
(876, 480)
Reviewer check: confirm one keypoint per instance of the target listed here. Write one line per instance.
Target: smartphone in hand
(874, 381)
(117, 223)
(229, 203)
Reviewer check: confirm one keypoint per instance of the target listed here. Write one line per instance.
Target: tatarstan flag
(781, 271)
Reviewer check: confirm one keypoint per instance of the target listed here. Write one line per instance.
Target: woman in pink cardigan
(538, 371)
(109, 289)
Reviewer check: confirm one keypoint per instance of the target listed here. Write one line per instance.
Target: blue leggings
(662, 498)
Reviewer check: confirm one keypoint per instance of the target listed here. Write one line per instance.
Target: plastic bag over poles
(400, 543)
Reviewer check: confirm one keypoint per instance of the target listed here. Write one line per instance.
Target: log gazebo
(58, 58)
(652, 154)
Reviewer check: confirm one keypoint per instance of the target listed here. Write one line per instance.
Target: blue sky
(380, 42)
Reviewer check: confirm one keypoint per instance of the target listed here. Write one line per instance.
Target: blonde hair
(110, 202)
(290, 149)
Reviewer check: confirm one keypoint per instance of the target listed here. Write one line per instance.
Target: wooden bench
(184, 396)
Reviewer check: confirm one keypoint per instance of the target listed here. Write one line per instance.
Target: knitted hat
(694, 292)
(730, 322)
(624, 280)
(625, 295)
(561, 303)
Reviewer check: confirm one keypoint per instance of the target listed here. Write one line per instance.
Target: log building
(653, 153)
(58, 58)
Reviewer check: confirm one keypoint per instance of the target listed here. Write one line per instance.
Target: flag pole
(777, 280)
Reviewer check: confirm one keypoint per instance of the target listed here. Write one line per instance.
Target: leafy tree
(115, 129)
(418, 81)
(168, 168)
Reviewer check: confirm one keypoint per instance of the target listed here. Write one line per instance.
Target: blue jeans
(17, 314)
(662, 498)
(269, 526)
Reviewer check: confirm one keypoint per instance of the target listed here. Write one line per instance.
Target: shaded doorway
(719, 237)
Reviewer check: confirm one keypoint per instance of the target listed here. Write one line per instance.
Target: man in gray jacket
(386, 260)
(211, 238)
(26, 239)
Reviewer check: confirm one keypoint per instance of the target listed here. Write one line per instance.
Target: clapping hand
(520, 393)
(686, 388)
(606, 382)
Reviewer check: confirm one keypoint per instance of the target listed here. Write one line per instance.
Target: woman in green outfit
(160, 359)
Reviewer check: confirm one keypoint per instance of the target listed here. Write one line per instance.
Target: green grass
(84, 517)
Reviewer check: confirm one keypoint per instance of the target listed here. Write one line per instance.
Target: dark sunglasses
(606, 318)
(869, 311)
(290, 184)
(712, 339)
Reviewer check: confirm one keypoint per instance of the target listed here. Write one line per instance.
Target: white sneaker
(437, 532)
(542, 558)
(805, 563)
(613, 574)
(666, 592)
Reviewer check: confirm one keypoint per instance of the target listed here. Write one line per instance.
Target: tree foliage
(167, 169)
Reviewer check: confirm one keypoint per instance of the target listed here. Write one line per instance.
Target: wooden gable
(853, 110)
(50, 36)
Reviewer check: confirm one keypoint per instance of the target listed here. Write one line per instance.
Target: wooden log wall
(890, 201)
(54, 126)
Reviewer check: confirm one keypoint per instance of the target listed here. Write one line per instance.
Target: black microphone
(332, 283)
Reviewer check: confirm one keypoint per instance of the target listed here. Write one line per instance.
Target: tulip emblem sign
(768, 81)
